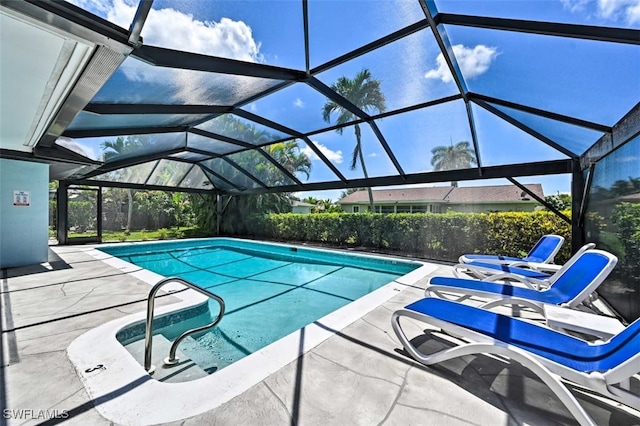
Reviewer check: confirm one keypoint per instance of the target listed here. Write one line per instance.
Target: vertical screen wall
(613, 223)
(24, 210)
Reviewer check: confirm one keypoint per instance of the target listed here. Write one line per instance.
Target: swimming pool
(127, 394)
(269, 290)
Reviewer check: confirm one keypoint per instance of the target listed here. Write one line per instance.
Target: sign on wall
(22, 198)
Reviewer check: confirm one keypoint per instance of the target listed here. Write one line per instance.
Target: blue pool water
(269, 290)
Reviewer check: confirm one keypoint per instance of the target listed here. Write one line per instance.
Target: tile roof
(447, 194)
(296, 203)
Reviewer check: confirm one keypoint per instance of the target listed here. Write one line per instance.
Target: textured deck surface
(360, 376)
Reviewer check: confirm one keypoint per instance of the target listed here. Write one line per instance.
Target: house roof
(436, 193)
(296, 203)
(447, 194)
(632, 198)
(493, 194)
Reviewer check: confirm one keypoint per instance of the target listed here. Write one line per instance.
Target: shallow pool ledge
(124, 393)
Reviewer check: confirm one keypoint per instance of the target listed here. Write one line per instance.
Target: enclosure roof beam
(588, 32)
(492, 172)
(542, 113)
(132, 161)
(107, 108)
(178, 59)
(139, 186)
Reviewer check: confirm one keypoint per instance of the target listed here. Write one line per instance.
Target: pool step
(187, 368)
(199, 354)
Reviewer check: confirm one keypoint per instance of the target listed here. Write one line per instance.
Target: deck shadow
(55, 263)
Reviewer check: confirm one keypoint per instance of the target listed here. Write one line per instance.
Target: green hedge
(428, 235)
(626, 217)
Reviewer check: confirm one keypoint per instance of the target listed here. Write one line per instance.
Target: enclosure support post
(61, 212)
(99, 214)
(218, 212)
(577, 197)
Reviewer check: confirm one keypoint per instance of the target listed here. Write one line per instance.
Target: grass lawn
(159, 234)
(141, 235)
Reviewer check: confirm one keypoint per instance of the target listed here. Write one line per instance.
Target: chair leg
(495, 348)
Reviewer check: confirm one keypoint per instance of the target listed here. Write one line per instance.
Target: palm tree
(364, 92)
(458, 156)
(112, 149)
(288, 154)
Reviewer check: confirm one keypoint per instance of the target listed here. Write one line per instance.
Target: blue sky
(590, 80)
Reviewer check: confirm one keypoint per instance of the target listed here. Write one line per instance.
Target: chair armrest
(542, 267)
(531, 283)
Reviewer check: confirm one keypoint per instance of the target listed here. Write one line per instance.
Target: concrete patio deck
(359, 376)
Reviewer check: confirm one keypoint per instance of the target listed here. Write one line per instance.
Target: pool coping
(123, 392)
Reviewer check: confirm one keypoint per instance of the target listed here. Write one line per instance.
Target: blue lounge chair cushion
(542, 252)
(585, 271)
(551, 344)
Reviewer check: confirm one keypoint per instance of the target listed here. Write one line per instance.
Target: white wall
(301, 209)
(24, 236)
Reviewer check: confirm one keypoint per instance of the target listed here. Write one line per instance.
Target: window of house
(356, 209)
(387, 209)
(419, 209)
(403, 209)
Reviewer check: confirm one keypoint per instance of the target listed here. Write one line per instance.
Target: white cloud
(173, 29)
(472, 62)
(97, 7)
(609, 10)
(373, 154)
(253, 107)
(628, 159)
(299, 103)
(633, 13)
(333, 156)
(74, 146)
(121, 13)
(575, 6)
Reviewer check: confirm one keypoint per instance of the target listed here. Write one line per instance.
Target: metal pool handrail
(148, 337)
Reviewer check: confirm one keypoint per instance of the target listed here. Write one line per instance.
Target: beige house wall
(443, 207)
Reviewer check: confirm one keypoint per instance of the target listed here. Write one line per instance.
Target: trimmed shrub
(428, 235)
(626, 217)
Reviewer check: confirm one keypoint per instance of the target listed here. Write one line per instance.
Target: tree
(623, 187)
(238, 209)
(559, 202)
(120, 146)
(364, 92)
(452, 157)
(310, 200)
(327, 206)
(288, 154)
(156, 205)
(619, 188)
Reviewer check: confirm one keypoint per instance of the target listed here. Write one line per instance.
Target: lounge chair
(604, 367)
(531, 274)
(542, 252)
(568, 287)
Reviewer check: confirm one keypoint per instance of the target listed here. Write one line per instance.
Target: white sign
(21, 198)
